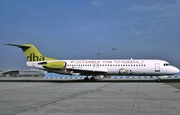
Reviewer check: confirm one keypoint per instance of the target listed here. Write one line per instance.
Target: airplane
(95, 68)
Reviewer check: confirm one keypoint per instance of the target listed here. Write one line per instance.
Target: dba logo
(33, 57)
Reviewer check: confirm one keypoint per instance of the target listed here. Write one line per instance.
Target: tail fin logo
(33, 57)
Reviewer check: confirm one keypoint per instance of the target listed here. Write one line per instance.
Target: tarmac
(37, 96)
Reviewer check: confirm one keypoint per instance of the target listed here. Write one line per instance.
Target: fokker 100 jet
(94, 68)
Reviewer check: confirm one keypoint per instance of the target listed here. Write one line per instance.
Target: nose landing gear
(159, 79)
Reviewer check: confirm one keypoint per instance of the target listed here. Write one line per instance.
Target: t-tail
(31, 53)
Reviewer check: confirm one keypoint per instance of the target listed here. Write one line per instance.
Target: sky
(77, 29)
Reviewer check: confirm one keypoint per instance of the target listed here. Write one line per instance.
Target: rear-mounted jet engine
(53, 65)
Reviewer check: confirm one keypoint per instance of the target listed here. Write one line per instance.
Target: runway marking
(134, 99)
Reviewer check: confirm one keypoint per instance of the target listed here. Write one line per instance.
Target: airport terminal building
(20, 72)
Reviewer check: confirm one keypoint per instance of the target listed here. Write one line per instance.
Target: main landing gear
(89, 79)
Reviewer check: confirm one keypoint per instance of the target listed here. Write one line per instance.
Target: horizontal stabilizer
(20, 46)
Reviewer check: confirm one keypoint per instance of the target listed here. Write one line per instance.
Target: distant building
(31, 72)
(17, 72)
(11, 73)
(1, 72)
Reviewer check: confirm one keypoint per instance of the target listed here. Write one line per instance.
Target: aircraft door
(157, 67)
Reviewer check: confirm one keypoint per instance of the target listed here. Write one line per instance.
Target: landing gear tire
(159, 79)
(92, 78)
(86, 78)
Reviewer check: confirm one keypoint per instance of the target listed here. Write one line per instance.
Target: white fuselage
(112, 67)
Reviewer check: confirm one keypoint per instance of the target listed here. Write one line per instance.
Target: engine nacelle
(53, 65)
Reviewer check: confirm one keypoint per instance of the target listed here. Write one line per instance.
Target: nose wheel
(159, 79)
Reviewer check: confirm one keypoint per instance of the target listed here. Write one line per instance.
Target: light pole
(114, 49)
(97, 54)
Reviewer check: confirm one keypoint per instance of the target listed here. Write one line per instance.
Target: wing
(88, 71)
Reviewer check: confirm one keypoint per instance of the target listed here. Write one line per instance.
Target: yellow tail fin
(31, 53)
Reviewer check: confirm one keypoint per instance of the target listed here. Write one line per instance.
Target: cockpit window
(166, 64)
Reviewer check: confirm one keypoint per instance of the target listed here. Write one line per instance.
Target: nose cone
(172, 70)
(175, 70)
